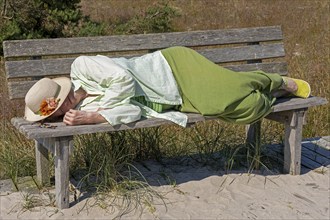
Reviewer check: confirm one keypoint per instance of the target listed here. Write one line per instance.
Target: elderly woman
(162, 84)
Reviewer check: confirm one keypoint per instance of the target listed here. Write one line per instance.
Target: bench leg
(62, 149)
(253, 132)
(292, 142)
(253, 139)
(42, 162)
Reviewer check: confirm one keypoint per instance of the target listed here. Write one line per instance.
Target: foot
(290, 85)
(297, 87)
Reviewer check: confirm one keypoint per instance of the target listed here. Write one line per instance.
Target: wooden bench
(245, 49)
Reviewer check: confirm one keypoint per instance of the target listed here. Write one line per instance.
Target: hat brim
(65, 84)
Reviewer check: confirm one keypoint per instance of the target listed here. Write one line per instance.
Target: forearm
(94, 118)
(76, 117)
(119, 115)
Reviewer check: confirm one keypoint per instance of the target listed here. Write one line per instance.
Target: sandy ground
(195, 192)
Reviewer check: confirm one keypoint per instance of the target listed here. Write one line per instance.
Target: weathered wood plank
(34, 131)
(62, 146)
(60, 66)
(309, 158)
(42, 164)
(80, 45)
(16, 122)
(286, 104)
(277, 67)
(244, 53)
(18, 89)
(318, 150)
(283, 116)
(38, 68)
(310, 164)
(292, 143)
(320, 159)
(48, 143)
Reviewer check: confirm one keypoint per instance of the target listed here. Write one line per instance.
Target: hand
(76, 117)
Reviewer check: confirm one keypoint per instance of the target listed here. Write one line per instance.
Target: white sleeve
(121, 114)
(99, 75)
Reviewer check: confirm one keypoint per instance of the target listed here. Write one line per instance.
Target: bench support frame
(292, 141)
(293, 121)
(42, 162)
(61, 147)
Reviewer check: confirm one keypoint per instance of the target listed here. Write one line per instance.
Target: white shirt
(113, 82)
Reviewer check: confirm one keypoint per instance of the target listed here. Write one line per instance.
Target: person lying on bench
(163, 84)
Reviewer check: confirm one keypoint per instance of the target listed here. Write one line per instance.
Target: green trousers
(211, 90)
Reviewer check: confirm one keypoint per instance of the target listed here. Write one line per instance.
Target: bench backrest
(244, 49)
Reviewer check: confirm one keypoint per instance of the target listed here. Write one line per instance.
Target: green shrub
(156, 19)
(28, 19)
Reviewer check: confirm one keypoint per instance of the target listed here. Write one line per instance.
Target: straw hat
(41, 92)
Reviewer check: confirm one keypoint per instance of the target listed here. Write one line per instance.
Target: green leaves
(156, 19)
(26, 19)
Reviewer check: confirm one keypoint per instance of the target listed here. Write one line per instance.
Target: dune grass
(107, 158)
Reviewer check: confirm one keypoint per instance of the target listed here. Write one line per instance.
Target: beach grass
(107, 159)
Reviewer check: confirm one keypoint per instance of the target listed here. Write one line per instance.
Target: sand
(195, 192)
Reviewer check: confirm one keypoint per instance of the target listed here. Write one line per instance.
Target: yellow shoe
(304, 89)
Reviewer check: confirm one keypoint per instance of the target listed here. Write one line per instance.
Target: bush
(156, 19)
(28, 19)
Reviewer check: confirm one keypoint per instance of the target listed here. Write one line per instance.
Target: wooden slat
(244, 53)
(309, 158)
(317, 149)
(63, 46)
(39, 68)
(278, 67)
(18, 89)
(309, 163)
(31, 68)
(285, 104)
(315, 156)
(33, 131)
(19, 122)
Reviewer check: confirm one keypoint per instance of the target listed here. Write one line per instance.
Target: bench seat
(58, 129)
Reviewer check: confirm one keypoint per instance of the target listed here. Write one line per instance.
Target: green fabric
(153, 105)
(208, 89)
